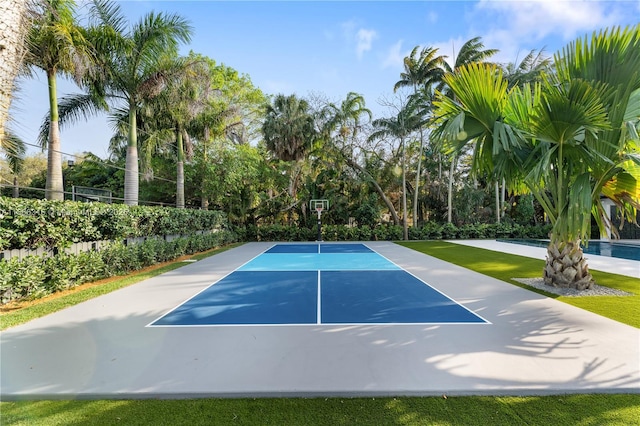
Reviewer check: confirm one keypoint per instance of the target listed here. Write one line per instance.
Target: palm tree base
(567, 267)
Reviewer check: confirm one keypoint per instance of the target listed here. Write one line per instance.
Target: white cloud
(356, 35)
(394, 57)
(364, 40)
(432, 17)
(526, 20)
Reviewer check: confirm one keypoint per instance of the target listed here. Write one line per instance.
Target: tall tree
(568, 138)
(56, 45)
(421, 74)
(289, 132)
(472, 51)
(129, 61)
(14, 26)
(399, 127)
(187, 95)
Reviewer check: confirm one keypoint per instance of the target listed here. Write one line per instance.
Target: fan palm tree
(289, 132)
(56, 45)
(565, 138)
(289, 128)
(130, 71)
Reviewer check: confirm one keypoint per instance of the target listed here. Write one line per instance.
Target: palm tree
(288, 128)
(130, 71)
(471, 52)
(565, 138)
(15, 23)
(400, 127)
(185, 97)
(14, 149)
(289, 132)
(529, 70)
(56, 45)
(421, 74)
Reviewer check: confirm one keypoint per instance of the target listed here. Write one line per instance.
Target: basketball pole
(319, 210)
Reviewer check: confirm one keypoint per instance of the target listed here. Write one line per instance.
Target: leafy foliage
(57, 224)
(37, 276)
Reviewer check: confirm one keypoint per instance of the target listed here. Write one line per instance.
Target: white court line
(427, 284)
(319, 319)
(204, 289)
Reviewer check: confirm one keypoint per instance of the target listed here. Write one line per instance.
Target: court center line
(319, 319)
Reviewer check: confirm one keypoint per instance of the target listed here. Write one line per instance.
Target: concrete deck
(612, 265)
(103, 349)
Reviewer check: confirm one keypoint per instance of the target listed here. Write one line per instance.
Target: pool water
(601, 248)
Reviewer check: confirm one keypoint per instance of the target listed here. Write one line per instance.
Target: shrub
(37, 276)
(41, 223)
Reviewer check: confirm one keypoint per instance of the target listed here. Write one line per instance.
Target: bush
(37, 276)
(41, 223)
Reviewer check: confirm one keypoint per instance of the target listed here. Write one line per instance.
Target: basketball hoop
(319, 206)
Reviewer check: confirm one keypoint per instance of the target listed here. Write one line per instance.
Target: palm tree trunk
(503, 195)
(450, 192)
(16, 188)
(415, 194)
(54, 189)
(566, 266)
(405, 231)
(131, 177)
(13, 27)
(204, 201)
(497, 186)
(180, 172)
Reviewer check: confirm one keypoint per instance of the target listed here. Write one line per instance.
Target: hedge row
(30, 224)
(431, 231)
(38, 276)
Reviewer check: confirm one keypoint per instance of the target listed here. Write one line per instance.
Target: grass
(24, 311)
(505, 267)
(561, 410)
(558, 410)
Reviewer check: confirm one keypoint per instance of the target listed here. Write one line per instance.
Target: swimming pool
(628, 251)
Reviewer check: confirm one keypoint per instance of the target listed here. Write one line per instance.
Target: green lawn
(569, 410)
(505, 266)
(558, 410)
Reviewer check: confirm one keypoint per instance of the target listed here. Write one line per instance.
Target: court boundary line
(429, 285)
(318, 306)
(204, 289)
(328, 324)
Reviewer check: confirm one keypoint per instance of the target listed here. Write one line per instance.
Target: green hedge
(40, 223)
(431, 231)
(38, 276)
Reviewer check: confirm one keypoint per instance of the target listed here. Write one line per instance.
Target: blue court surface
(298, 284)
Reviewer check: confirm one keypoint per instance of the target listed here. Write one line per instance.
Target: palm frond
(71, 109)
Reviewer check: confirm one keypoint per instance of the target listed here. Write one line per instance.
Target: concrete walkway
(612, 265)
(103, 349)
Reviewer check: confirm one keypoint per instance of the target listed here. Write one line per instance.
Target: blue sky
(334, 47)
